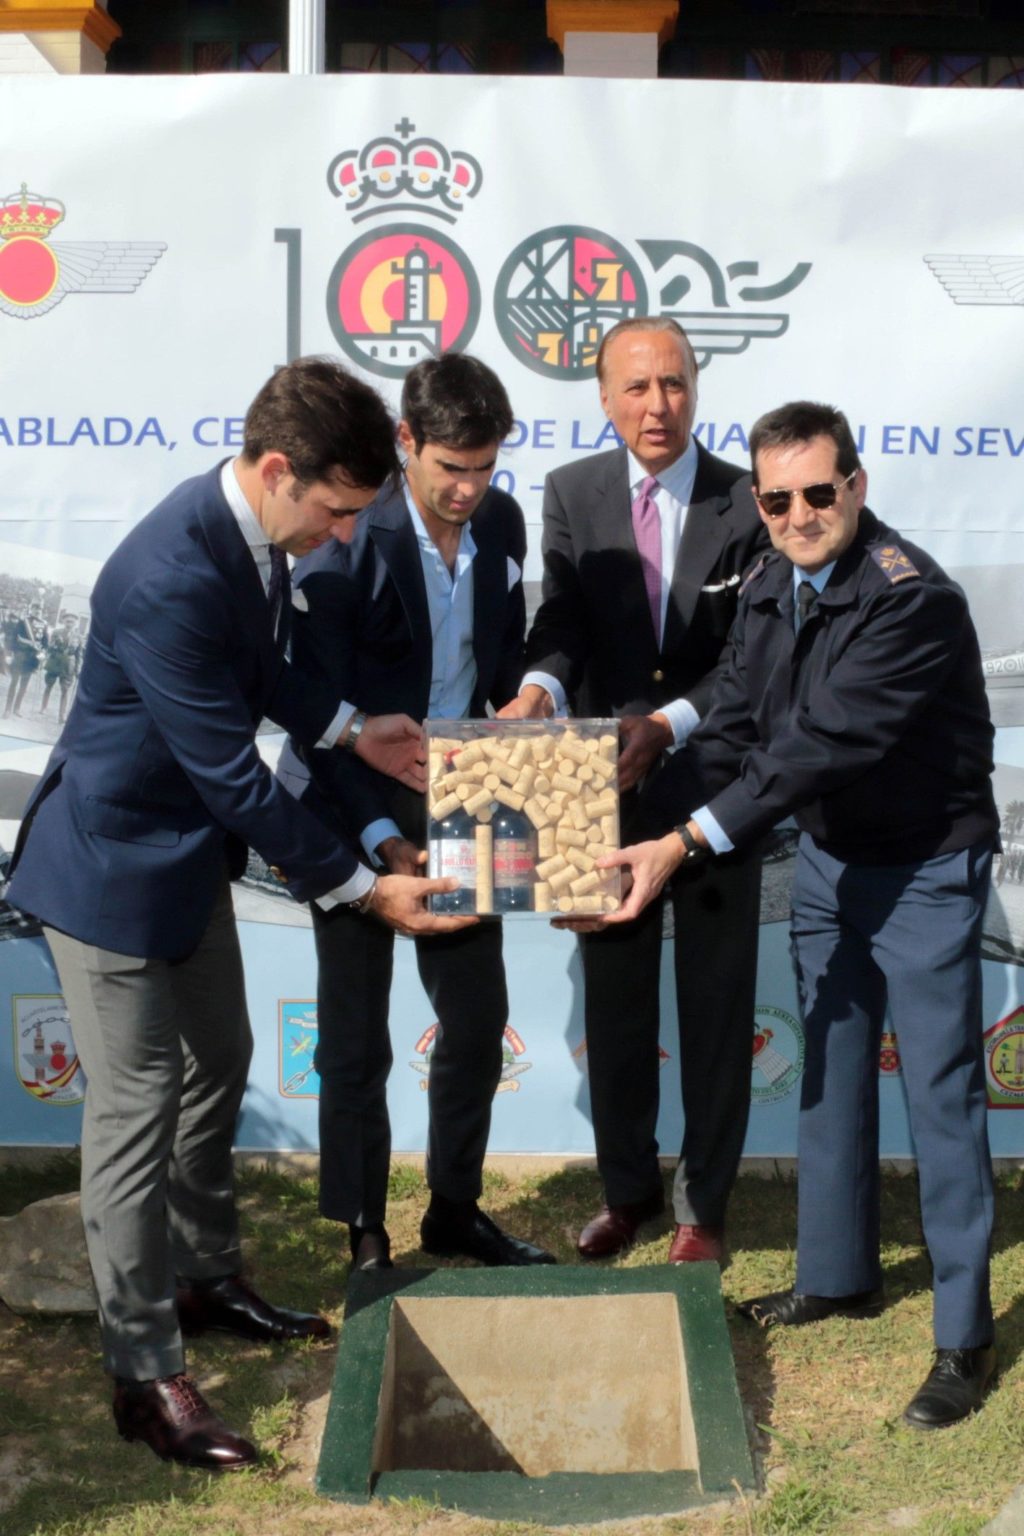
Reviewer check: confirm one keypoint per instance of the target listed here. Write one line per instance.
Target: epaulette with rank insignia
(752, 575)
(891, 559)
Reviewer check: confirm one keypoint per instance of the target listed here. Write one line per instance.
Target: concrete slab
(556, 1395)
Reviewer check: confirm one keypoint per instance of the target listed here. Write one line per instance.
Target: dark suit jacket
(593, 630)
(362, 625)
(156, 777)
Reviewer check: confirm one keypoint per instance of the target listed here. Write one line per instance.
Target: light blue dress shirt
(453, 671)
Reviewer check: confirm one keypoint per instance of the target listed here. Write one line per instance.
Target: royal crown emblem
(35, 274)
(26, 213)
(405, 173)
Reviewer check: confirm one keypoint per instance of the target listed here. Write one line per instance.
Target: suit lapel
(705, 534)
(234, 560)
(394, 538)
(490, 590)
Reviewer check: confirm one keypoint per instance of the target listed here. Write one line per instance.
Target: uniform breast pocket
(716, 606)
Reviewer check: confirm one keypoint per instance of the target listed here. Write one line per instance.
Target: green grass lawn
(823, 1403)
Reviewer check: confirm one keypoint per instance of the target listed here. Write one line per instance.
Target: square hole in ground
(535, 1385)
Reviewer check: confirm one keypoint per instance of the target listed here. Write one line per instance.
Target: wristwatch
(355, 730)
(695, 852)
(364, 902)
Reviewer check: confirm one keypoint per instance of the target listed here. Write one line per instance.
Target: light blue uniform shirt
(453, 671)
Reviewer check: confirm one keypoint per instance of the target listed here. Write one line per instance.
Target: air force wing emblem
(35, 274)
(980, 279)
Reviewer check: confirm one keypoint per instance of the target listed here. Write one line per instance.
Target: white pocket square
(515, 573)
(299, 601)
(722, 586)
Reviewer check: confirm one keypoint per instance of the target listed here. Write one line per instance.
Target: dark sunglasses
(818, 497)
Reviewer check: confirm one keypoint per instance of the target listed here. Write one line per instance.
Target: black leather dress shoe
(954, 1387)
(372, 1251)
(171, 1416)
(477, 1237)
(232, 1306)
(791, 1308)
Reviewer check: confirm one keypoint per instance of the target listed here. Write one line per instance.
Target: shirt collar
(243, 514)
(677, 479)
(467, 544)
(818, 581)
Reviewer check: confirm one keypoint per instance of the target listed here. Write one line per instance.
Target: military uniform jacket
(871, 725)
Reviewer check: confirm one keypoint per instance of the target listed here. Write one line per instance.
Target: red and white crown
(404, 174)
(27, 213)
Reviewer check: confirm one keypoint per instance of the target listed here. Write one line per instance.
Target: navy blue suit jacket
(156, 780)
(361, 625)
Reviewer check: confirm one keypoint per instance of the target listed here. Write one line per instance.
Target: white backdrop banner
(164, 243)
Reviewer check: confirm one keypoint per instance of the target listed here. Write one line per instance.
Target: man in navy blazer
(138, 823)
(644, 548)
(422, 612)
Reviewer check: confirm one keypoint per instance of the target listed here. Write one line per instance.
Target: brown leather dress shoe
(171, 1416)
(692, 1245)
(232, 1306)
(614, 1227)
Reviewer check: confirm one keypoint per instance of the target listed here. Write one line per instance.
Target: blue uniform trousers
(911, 934)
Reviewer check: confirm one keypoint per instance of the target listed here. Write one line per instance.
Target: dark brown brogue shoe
(614, 1228)
(171, 1416)
(232, 1306)
(694, 1245)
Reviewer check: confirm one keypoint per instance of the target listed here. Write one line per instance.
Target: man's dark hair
(457, 400)
(323, 419)
(799, 422)
(645, 323)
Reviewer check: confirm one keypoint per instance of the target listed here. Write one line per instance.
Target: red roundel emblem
(400, 295)
(28, 271)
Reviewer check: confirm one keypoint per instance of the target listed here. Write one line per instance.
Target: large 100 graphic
(404, 292)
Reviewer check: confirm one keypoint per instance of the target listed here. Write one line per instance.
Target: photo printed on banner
(994, 597)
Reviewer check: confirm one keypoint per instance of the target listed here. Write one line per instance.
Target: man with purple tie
(644, 548)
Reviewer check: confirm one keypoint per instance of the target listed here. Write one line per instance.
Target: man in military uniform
(853, 698)
(28, 644)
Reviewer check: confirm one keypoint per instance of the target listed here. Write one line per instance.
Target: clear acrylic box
(519, 811)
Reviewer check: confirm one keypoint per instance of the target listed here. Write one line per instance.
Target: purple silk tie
(647, 531)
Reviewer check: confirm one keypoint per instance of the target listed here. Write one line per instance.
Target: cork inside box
(520, 811)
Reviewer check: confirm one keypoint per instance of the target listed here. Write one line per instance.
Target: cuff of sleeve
(553, 686)
(718, 839)
(337, 725)
(344, 895)
(681, 716)
(373, 835)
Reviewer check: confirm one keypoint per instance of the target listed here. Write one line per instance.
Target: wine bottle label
(513, 861)
(454, 856)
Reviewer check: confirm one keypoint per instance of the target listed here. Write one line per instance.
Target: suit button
(278, 874)
(658, 675)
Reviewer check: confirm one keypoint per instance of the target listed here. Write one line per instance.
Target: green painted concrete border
(345, 1471)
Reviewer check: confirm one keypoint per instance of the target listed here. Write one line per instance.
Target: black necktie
(806, 597)
(275, 586)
